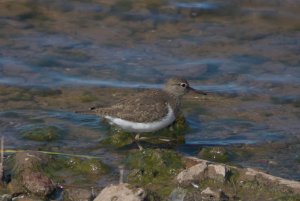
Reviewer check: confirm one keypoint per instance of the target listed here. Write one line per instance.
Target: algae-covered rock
(86, 166)
(42, 133)
(118, 138)
(216, 154)
(154, 169)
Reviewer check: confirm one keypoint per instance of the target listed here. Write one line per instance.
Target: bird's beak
(196, 91)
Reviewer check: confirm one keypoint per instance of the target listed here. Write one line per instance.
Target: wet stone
(5, 197)
(178, 194)
(121, 192)
(194, 173)
(213, 195)
(79, 194)
(218, 172)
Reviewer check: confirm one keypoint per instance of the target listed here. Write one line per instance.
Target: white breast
(137, 127)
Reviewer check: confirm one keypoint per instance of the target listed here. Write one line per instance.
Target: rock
(121, 192)
(217, 171)
(5, 197)
(28, 175)
(37, 182)
(202, 170)
(194, 173)
(178, 194)
(75, 194)
(213, 195)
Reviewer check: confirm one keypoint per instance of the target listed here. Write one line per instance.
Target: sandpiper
(149, 110)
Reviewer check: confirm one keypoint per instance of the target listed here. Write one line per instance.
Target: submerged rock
(46, 133)
(216, 154)
(121, 192)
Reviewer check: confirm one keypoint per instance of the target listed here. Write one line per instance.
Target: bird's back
(145, 106)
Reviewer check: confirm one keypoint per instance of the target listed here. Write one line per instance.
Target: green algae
(75, 169)
(47, 133)
(118, 138)
(216, 154)
(86, 166)
(154, 170)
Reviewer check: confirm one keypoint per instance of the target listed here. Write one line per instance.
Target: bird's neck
(175, 102)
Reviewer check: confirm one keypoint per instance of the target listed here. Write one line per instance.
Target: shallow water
(245, 54)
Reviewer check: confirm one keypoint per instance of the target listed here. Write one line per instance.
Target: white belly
(137, 127)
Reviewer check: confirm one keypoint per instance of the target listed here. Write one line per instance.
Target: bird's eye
(183, 84)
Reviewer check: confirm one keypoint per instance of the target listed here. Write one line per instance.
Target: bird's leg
(137, 139)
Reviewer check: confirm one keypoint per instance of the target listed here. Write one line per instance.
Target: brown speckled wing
(147, 106)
